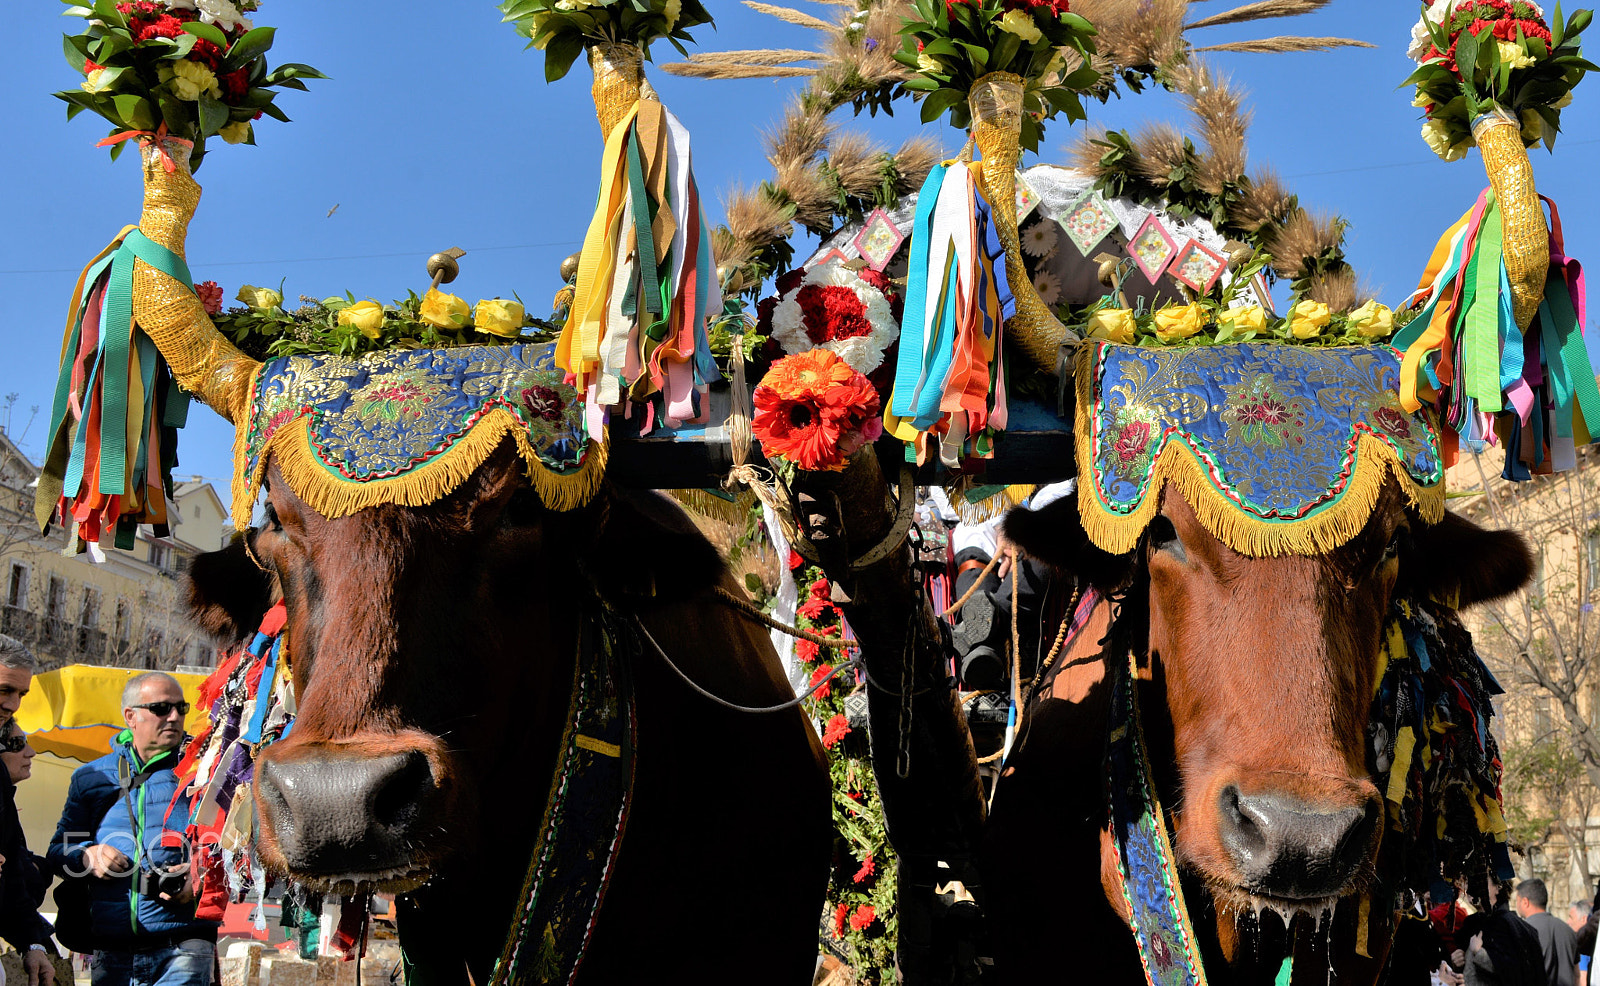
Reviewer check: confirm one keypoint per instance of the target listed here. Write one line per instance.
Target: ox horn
(202, 359)
(996, 102)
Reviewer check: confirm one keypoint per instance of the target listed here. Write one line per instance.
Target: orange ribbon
(147, 138)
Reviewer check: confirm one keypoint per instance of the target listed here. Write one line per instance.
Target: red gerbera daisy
(868, 867)
(837, 729)
(863, 917)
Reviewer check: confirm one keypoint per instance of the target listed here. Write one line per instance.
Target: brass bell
(442, 267)
(731, 278)
(569, 267)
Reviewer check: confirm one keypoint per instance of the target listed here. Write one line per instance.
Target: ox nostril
(395, 797)
(1242, 830)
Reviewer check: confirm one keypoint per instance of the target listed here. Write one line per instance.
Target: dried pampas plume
(1264, 202)
(1335, 288)
(1287, 43)
(1303, 238)
(1161, 150)
(1260, 11)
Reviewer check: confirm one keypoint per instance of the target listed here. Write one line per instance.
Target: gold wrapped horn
(618, 82)
(996, 102)
(203, 361)
(1526, 236)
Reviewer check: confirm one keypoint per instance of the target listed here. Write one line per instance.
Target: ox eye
(1164, 537)
(1398, 542)
(272, 519)
(523, 509)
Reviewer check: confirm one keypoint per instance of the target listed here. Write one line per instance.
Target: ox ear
(227, 593)
(1054, 535)
(1456, 557)
(668, 558)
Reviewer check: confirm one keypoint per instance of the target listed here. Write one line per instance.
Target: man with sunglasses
(20, 923)
(121, 830)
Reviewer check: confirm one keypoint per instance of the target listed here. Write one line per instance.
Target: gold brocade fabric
(204, 362)
(618, 75)
(1526, 237)
(996, 102)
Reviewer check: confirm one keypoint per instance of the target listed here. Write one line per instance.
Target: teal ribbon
(1568, 357)
(908, 368)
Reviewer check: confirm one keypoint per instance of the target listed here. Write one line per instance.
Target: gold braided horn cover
(996, 103)
(618, 81)
(202, 359)
(1526, 237)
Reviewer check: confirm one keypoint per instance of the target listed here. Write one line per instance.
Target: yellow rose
(1437, 135)
(1307, 319)
(1563, 102)
(1057, 63)
(191, 80)
(1112, 324)
(91, 82)
(1020, 23)
(1532, 126)
(235, 133)
(928, 63)
(444, 311)
(1176, 322)
(500, 317)
(1250, 318)
(1422, 101)
(366, 316)
(1512, 54)
(672, 11)
(259, 297)
(1372, 320)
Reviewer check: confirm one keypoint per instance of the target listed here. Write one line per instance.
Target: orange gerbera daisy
(813, 409)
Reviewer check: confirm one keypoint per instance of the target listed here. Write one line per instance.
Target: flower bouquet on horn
(636, 339)
(170, 74)
(564, 28)
(813, 411)
(194, 69)
(1496, 340)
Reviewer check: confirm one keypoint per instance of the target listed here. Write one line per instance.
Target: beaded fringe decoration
(996, 102)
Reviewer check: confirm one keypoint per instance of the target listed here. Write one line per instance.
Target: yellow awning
(76, 710)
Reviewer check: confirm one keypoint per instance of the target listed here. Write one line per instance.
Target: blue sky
(437, 130)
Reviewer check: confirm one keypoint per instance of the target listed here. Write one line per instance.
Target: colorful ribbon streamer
(114, 420)
(1534, 391)
(646, 285)
(950, 378)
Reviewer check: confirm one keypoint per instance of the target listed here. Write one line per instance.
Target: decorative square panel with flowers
(1152, 248)
(1197, 266)
(1087, 221)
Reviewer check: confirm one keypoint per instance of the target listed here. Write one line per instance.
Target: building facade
(125, 611)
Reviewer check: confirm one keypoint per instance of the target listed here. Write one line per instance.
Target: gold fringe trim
(1178, 465)
(332, 496)
(987, 509)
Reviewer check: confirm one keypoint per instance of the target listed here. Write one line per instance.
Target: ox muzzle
(1290, 849)
(364, 813)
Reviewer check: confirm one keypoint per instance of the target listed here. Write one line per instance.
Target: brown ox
(433, 653)
(1256, 686)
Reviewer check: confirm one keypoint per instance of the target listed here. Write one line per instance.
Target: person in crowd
(20, 922)
(1495, 948)
(1558, 944)
(1580, 919)
(121, 831)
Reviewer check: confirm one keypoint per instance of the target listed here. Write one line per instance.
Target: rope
(749, 609)
(955, 607)
(760, 480)
(854, 662)
(1061, 638)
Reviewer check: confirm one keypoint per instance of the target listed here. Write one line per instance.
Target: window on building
(89, 612)
(55, 601)
(17, 586)
(124, 622)
(1541, 719)
(161, 556)
(155, 641)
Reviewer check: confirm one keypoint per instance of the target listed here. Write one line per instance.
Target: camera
(154, 883)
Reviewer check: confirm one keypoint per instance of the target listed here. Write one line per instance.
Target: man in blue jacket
(121, 830)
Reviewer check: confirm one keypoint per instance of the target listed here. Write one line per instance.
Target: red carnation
(206, 54)
(820, 589)
(235, 84)
(837, 729)
(807, 651)
(210, 293)
(830, 312)
(863, 917)
(161, 26)
(868, 867)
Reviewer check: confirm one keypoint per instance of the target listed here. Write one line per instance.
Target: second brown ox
(1256, 681)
